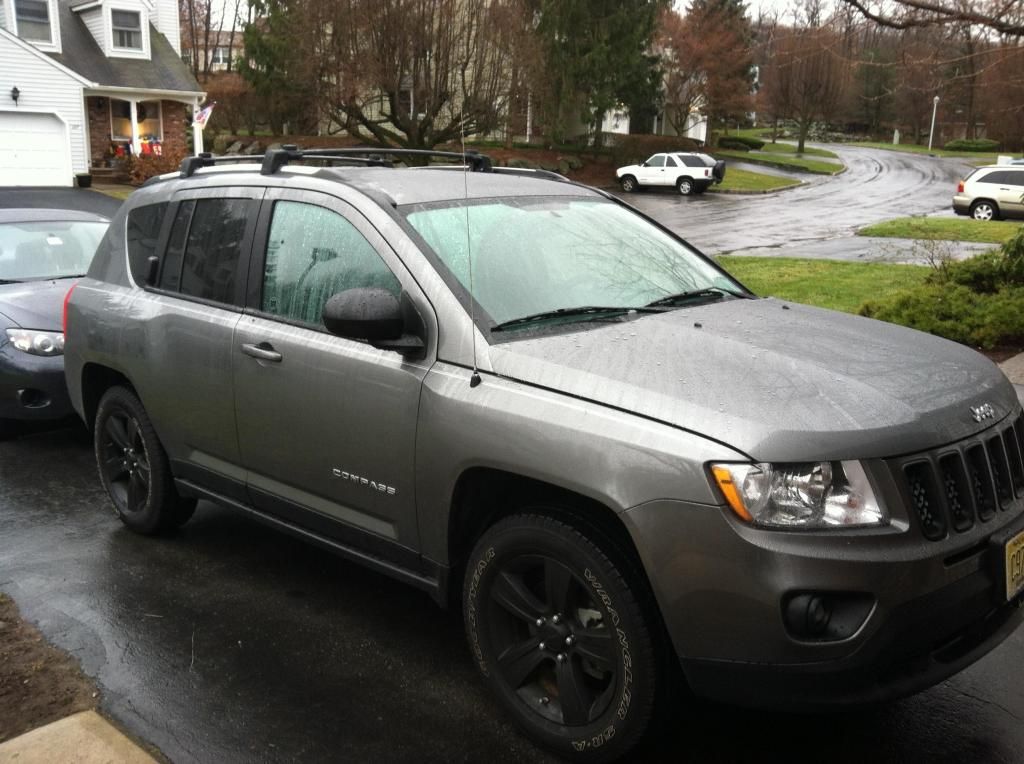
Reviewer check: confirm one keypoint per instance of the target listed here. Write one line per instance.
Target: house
(81, 80)
(222, 48)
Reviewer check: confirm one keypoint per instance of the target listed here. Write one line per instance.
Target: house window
(127, 26)
(148, 114)
(33, 17)
(221, 55)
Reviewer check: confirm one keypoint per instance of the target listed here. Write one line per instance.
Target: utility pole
(931, 133)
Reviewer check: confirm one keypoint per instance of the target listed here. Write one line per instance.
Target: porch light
(15, 94)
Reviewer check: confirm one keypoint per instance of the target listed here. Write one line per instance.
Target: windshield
(533, 255)
(47, 249)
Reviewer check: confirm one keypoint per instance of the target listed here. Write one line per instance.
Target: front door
(653, 172)
(326, 425)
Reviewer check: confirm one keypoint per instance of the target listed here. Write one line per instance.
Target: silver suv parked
(991, 193)
(520, 394)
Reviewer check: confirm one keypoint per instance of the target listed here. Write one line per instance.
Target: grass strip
(829, 284)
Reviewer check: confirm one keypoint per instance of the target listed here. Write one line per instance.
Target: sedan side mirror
(376, 316)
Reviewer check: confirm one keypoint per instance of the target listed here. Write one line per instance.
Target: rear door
(1011, 193)
(326, 425)
(182, 329)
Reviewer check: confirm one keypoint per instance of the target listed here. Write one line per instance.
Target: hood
(35, 304)
(777, 381)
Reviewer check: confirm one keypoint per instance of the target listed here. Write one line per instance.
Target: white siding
(165, 19)
(3, 14)
(44, 87)
(93, 20)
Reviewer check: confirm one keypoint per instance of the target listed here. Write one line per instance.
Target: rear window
(210, 268)
(144, 224)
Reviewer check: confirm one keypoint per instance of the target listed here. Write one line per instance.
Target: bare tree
(417, 73)
(1006, 17)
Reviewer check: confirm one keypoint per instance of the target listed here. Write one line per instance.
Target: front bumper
(32, 388)
(936, 607)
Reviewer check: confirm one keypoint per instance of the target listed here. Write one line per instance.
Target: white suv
(992, 192)
(689, 172)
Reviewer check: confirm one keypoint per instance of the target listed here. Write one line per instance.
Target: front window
(531, 255)
(147, 113)
(47, 250)
(33, 18)
(658, 160)
(127, 27)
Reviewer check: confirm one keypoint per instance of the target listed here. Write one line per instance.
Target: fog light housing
(825, 616)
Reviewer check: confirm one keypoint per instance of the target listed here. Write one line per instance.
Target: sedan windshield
(534, 256)
(47, 249)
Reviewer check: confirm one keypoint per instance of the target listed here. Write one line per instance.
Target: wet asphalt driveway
(231, 643)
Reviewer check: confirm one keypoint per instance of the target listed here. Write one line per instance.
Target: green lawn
(944, 229)
(765, 134)
(744, 180)
(824, 283)
(785, 161)
(976, 157)
(116, 191)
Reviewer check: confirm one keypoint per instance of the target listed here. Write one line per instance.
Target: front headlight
(809, 495)
(37, 342)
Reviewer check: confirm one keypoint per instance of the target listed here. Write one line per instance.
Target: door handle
(264, 351)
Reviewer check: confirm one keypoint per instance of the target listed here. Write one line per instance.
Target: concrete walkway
(1013, 368)
(87, 738)
(866, 249)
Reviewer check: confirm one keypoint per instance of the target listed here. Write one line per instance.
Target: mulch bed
(39, 684)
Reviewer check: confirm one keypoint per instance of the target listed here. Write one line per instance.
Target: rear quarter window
(143, 233)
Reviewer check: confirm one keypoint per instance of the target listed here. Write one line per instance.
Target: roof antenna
(474, 378)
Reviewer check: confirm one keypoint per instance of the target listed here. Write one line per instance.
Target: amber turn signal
(732, 495)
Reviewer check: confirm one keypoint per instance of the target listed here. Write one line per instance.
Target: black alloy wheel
(557, 620)
(133, 466)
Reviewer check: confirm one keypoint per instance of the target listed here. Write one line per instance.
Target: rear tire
(684, 186)
(555, 623)
(984, 210)
(629, 184)
(133, 466)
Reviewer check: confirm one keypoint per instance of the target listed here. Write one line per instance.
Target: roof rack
(275, 159)
(189, 165)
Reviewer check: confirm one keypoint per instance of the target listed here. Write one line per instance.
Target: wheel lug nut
(545, 700)
(569, 640)
(560, 657)
(539, 622)
(556, 618)
(543, 646)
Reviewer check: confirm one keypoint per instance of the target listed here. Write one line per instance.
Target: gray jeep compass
(520, 394)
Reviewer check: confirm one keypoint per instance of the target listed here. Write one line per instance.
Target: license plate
(1015, 566)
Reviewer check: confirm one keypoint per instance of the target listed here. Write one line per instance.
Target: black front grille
(952, 489)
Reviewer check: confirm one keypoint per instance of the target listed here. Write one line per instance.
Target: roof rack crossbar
(275, 159)
(189, 165)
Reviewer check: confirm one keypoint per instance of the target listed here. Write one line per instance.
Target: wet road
(231, 643)
(878, 185)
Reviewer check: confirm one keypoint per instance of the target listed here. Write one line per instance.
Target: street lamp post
(931, 133)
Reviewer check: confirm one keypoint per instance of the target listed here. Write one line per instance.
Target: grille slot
(1013, 457)
(1000, 470)
(981, 483)
(957, 491)
(925, 501)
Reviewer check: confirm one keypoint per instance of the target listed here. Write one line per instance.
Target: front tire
(984, 210)
(555, 623)
(629, 184)
(684, 186)
(134, 468)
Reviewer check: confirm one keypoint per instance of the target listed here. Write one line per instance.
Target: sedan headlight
(807, 495)
(37, 342)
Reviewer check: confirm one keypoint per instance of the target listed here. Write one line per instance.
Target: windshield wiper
(584, 312)
(707, 293)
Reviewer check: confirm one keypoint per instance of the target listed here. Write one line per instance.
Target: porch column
(136, 143)
(197, 131)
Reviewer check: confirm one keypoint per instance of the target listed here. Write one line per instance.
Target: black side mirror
(376, 316)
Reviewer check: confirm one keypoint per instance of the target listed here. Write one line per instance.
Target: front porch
(135, 124)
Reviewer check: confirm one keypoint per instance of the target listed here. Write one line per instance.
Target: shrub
(979, 301)
(633, 149)
(975, 144)
(740, 142)
(142, 168)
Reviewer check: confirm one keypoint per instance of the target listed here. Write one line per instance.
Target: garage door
(33, 150)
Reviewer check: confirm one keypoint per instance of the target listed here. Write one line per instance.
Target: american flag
(201, 116)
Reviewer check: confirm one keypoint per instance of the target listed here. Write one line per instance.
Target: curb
(83, 737)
